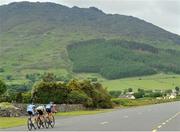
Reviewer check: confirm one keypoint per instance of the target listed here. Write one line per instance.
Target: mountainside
(34, 38)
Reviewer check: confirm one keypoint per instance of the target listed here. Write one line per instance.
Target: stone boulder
(9, 110)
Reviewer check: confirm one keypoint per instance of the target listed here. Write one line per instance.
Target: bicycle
(50, 119)
(41, 123)
(30, 123)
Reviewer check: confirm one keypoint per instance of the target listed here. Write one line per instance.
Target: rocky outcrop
(9, 110)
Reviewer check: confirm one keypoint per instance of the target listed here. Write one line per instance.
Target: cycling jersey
(49, 106)
(30, 108)
(40, 109)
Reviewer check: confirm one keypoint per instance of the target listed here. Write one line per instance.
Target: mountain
(36, 37)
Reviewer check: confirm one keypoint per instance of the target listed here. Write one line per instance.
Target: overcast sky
(163, 13)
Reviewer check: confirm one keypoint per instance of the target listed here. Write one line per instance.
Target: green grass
(141, 102)
(158, 81)
(83, 112)
(7, 122)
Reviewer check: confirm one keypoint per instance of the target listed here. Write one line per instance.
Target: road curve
(159, 117)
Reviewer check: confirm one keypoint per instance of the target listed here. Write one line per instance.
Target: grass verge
(140, 102)
(7, 122)
(82, 112)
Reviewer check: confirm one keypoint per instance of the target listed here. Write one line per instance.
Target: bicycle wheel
(46, 123)
(38, 123)
(52, 122)
(29, 124)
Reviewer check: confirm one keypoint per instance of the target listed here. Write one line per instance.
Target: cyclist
(50, 108)
(41, 111)
(31, 111)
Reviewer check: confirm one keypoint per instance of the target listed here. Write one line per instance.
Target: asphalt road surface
(160, 117)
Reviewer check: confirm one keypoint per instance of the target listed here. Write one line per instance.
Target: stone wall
(70, 107)
(20, 109)
(59, 107)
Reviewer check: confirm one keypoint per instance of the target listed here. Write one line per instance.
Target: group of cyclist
(41, 112)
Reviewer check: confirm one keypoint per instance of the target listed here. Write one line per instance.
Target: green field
(7, 122)
(158, 81)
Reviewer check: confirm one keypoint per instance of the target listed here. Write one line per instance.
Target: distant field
(159, 81)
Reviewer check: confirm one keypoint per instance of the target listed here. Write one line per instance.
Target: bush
(9, 77)
(156, 94)
(1, 69)
(177, 89)
(115, 94)
(84, 92)
(43, 92)
(33, 77)
(49, 77)
(20, 87)
(8, 96)
(79, 97)
(130, 89)
(3, 87)
(99, 95)
(19, 97)
(138, 95)
(26, 97)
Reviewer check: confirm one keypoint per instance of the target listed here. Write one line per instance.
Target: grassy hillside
(117, 59)
(158, 81)
(34, 39)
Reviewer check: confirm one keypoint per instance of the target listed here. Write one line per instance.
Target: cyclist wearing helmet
(31, 109)
(50, 107)
(41, 110)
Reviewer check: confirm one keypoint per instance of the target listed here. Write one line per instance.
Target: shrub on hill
(3, 87)
(43, 92)
(115, 94)
(83, 92)
(1, 69)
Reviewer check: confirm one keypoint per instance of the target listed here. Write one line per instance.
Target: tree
(130, 89)
(3, 87)
(43, 92)
(140, 93)
(168, 91)
(177, 89)
(19, 97)
(1, 69)
(79, 97)
(49, 77)
(115, 94)
(9, 77)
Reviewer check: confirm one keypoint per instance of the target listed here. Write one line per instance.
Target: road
(159, 117)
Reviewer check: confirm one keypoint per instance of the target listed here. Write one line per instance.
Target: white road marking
(103, 123)
(158, 127)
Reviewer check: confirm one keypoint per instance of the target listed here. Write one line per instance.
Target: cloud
(163, 13)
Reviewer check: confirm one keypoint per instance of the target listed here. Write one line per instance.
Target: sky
(163, 13)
